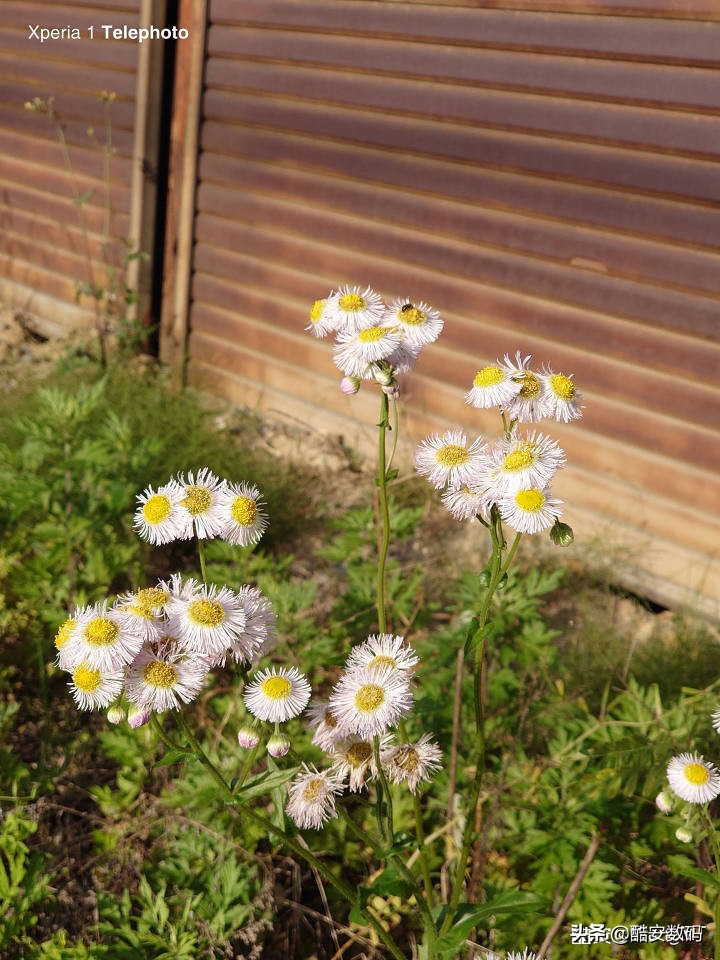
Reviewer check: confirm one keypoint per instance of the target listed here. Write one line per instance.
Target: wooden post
(180, 224)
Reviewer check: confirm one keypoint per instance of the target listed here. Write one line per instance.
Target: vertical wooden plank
(184, 151)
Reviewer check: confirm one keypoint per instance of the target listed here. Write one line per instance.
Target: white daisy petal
(322, 316)
(493, 386)
(93, 688)
(354, 760)
(560, 398)
(383, 650)
(529, 510)
(523, 462)
(527, 405)
(367, 701)
(277, 694)
(312, 798)
(162, 680)
(411, 763)
(200, 503)
(322, 720)
(418, 322)
(102, 638)
(448, 460)
(355, 353)
(693, 779)
(352, 309)
(159, 518)
(207, 620)
(243, 513)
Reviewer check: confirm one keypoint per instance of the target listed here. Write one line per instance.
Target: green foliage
(24, 885)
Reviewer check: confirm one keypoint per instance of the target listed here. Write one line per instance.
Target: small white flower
(160, 679)
(523, 462)
(322, 318)
(528, 405)
(352, 309)
(560, 400)
(102, 638)
(207, 620)
(466, 503)
(312, 798)
(355, 353)
(715, 717)
(530, 510)
(93, 688)
(260, 633)
(448, 460)
(200, 503)
(383, 650)
(141, 611)
(353, 758)
(693, 779)
(493, 386)
(367, 701)
(322, 720)
(525, 955)
(159, 518)
(243, 513)
(418, 322)
(277, 694)
(411, 763)
(402, 360)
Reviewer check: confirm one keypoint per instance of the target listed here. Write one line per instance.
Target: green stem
(342, 888)
(384, 791)
(422, 852)
(384, 513)
(157, 726)
(201, 555)
(247, 767)
(712, 836)
(394, 429)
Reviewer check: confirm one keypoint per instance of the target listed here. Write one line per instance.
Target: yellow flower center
(369, 697)
(101, 632)
(152, 597)
(276, 688)
(86, 679)
(358, 754)
(519, 459)
(372, 334)
(197, 500)
(407, 758)
(489, 376)
(206, 613)
(530, 500)
(156, 509)
(159, 674)
(316, 311)
(63, 634)
(696, 774)
(314, 790)
(244, 511)
(411, 316)
(352, 302)
(382, 661)
(140, 610)
(530, 386)
(452, 455)
(562, 386)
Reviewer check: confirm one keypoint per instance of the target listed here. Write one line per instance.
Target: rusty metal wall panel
(46, 241)
(546, 174)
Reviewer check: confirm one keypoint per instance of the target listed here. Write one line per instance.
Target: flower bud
(561, 534)
(683, 835)
(248, 737)
(392, 390)
(139, 716)
(350, 385)
(663, 801)
(278, 745)
(384, 376)
(116, 714)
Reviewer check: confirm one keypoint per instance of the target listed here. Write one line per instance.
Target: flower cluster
(353, 727)
(203, 506)
(374, 340)
(156, 646)
(513, 473)
(695, 781)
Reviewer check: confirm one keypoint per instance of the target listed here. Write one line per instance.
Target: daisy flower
(353, 758)
(525, 955)
(528, 405)
(693, 779)
(207, 620)
(412, 763)
(200, 503)
(418, 322)
(141, 611)
(243, 512)
(312, 798)
(448, 460)
(93, 688)
(403, 359)
(159, 518)
(64, 633)
(560, 398)
(101, 638)
(355, 353)
(161, 680)
(529, 510)
(260, 619)
(367, 701)
(322, 317)
(465, 503)
(277, 694)
(352, 309)
(715, 717)
(383, 650)
(523, 462)
(322, 720)
(493, 386)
